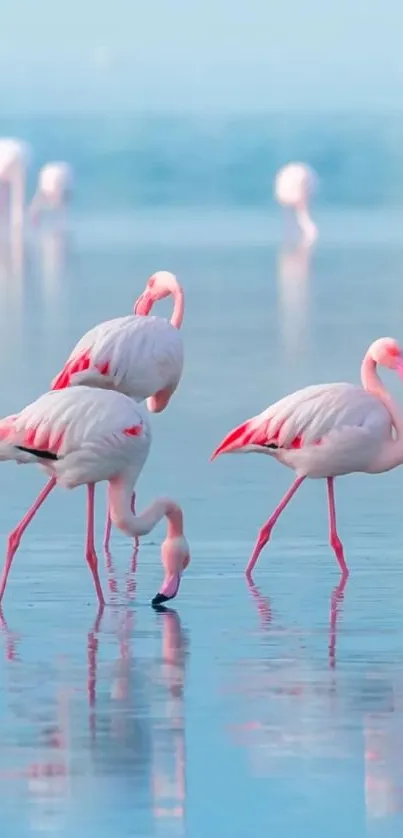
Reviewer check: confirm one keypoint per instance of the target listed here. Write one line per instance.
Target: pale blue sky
(201, 54)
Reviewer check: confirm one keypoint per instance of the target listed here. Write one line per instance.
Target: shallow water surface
(243, 707)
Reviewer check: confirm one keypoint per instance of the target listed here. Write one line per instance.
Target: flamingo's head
(160, 285)
(175, 555)
(387, 353)
(250, 437)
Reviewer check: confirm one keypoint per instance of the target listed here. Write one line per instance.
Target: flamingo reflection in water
(168, 735)
(286, 687)
(309, 714)
(53, 253)
(157, 748)
(293, 292)
(124, 741)
(383, 746)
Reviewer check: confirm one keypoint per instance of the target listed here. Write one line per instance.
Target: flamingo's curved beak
(169, 589)
(245, 438)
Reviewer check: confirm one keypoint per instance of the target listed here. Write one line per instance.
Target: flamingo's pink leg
(265, 532)
(15, 536)
(108, 525)
(333, 536)
(91, 555)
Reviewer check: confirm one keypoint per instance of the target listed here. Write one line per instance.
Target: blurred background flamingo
(294, 186)
(14, 155)
(54, 189)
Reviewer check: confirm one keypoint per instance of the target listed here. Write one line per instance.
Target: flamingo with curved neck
(160, 285)
(328, 430)
(137, 355)
(81, 436)
(174, 550)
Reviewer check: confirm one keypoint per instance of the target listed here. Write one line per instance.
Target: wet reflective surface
(242, 708)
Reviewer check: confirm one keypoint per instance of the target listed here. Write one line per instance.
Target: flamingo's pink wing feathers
(137, 356)
(95, 433)
(307, 416)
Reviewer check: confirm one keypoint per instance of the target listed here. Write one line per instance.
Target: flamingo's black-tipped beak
(171, 585)
(159, 599)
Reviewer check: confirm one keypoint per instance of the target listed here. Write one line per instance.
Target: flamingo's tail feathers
(10, 452)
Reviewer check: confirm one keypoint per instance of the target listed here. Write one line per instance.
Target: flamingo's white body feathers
(327, 430)
(136, 355)
(95, 435)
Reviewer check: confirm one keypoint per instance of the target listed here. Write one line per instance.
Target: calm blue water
(244, 709)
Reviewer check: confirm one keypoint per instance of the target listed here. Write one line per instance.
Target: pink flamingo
(55, 182)
(137, 355)
(294, 186)
(328, 430)
(13, 164)
(81, 436)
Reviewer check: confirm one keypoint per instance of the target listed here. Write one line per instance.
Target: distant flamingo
(294, 186)
(138, 355)
(328, 430)
(13, 163)
(81, 436)
(55, 182)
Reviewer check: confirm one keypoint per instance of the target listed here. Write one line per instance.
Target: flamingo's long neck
(120, 492)
(392, 454)
(306, 224)
(373, 384)
(179, 307)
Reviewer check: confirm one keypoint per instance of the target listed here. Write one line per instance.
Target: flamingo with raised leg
(81, 436)
(55, 183)
(138, 355)
(294, 185)
(327, 430)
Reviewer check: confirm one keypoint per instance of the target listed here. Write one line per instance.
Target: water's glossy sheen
(272, 709)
